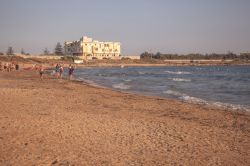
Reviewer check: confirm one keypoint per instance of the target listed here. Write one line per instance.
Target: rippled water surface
(227, 86)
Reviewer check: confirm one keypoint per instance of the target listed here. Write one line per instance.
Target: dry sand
(58, 122)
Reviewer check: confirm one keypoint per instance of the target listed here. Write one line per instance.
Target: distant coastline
(30, 60)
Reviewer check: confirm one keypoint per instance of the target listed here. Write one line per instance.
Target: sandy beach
(61, 122)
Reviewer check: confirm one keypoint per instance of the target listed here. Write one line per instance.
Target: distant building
(87, 48)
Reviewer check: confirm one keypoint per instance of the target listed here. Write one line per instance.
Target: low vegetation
(214, 56)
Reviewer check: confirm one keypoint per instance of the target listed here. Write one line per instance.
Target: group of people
(9, 66)
(59, 70)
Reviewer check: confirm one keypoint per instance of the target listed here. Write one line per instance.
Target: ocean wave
(148, 73)
(180, 79)
(121, 86)
(232, 106)
(177, 72)
(142, 73)
(189, 99)
(171, 92)
(89, 82)
(80, 79)
(185, 97)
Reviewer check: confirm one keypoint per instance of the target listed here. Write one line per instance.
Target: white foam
(177, 72)
(141, 73)
(89, 82)
(121, 86)
(231, 106)
(191, 99)
(127, 80)
(175, 93)
(180, 79)
(81, 79)
(185, 97)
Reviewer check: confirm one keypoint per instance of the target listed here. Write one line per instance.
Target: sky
(167, 26)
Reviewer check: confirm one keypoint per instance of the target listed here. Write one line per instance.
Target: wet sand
(60, 122)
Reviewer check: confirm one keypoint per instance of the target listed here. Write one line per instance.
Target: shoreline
(206, 104)
(67, 122)
(201, 102)
(225, 106)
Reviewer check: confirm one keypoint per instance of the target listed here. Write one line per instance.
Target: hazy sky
(168, 26)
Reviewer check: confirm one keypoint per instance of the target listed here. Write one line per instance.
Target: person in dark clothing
(17, 66)
(41, 71)
(71, 71)
(57, 70)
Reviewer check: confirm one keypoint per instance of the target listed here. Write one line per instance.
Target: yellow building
(87, 48)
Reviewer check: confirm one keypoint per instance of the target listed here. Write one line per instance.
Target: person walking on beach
(71, 71)
(5, 66)
(41, 71)
(57, 70)
(61, 71)
(17, 66)
(9, 67)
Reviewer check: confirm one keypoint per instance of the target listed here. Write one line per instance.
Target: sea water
(224, 86)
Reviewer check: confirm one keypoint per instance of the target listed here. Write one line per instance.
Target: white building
(87, 48)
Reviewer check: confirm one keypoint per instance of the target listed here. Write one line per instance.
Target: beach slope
(60, 122)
